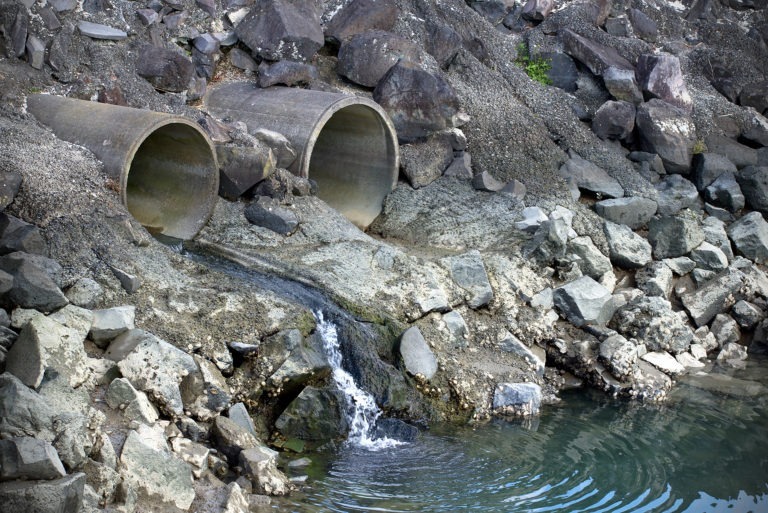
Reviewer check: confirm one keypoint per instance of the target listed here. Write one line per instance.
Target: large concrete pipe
(165, 165)
(346, 144)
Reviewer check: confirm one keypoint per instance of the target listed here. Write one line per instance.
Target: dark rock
(286, 72)
(741, 155)
(589, 259)
(622, 85)
(627, 249)
(206, 44)
(643, 26)
(755, 95)
(595, 56)
(205, 393)
(207, 6)
(359, 16)
(756, 130)
(753, 181)
(63, 5)
(10, 181)
(584, 301)
(175, 19)
(707, 167)
(241, 59)
(549, 241)
(675, 194)
(674, 236)
(29, 458)
(655, 279)
(486, 182)
(280, 145)
(652, 322)
(231, 438)
(633, 211)
(711, 298)
(416, 101)
(35, 49)
(418, 358)
(659, 76)
(709, 257)
(33, 287)
(492, 10)
(112, 95)
(17, 235)
(562, 71)
(64, 495)
(725, 192)
(746, 314)
(205, 66)
(667, 131)
(243, 166)
(281, 29)
(395, 429)
(316, 414)
(750, 236)
(517, 399)
(589, 177)
(166, 70)
(443, 43)
(19, 30)
(424, 162)
(98, 31)
(461, 167)
(268, 213)
(618, 27)
(306, 362)
(537, 10)
(614, 120)
(365, 58)
(715, 234)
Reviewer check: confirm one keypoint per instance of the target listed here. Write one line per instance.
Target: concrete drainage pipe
(165, 165)
(346, 144)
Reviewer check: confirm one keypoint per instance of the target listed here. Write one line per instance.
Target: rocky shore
(581, 202)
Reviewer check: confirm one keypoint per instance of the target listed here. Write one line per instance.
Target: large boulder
(741, 155)
(708, 166)
(167, 70)
(707, 301)
(668, 131)
(675, 194)
(204, 392)
(620, 355)
(593, 55)
(627, 249)
(63, 495)
(32, 285)
(281, 29)
(591, 261)
(365, 58)
(316, 414)
(652, 321)
(587, 176)
(659, 76)
(633, 211)
(750, 236)
(359, 16)
(418, 358)
(259, 464)
(29, 458)
(674, 236)
(754, 185)
(584, 301)
(468, 272)
(614, 120)
(517, 399)
(755, 95)
(231, 438)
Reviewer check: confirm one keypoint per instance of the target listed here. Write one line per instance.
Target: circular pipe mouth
(169, 182)
(352, 154)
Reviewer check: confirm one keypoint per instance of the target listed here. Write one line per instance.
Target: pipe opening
(168, 183)
(354, 162)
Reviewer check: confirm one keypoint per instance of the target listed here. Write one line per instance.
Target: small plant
(535, 68)
(699, 147)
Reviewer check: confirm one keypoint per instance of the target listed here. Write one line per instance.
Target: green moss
(699, 147)
(536, 68)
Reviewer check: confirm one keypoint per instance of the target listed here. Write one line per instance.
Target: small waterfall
(362, 411)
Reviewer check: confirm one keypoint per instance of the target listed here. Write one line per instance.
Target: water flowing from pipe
(361, 408)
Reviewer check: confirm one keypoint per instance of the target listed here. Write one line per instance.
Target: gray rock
(85, 293)
(622, 85)
(755, 95)
(619, 27)
(205, 393)
(23, 412)
(533, 217)
(29, 458)
(10, 182)
(206, 44)
(18, 35)
(633, 211)
(128, 281)
(243, 165)
(230, 438)
(517, 399)
(147, 16)
(279, 29)
(725, 192)
(549, 242)
(62, 5)
(709, 257)
(287, 73)
(316, 414)
(584, 301)
(157, 367)
(675, 194)
(590, 260)
(260, 466)
(366, 57)
(674, 236)
(461, 167)
(756, 129)
(241, 59)
(719, 213)
(620, 355)
(562, 72)
(484, 181)
(725, 329)
(664, 361)
(707, 167)
(754, 185)
(33, 286)
(468, 272)
(280, 145)
(589, 177)
(595, 56)
(134, 404)
(300, 361)
(111, 322)
(659, 76)
(35, 50)
(746, 314)
(655, 279)
(668, 131)
(516, 189)
(424, 162)
(702, 276)
(750, 236)
(98, 31)
(269, 213)
(732, 352)
(240, 416)
(360, 16)
(155, 473)
(627, 249)
(418, 358)
(643, 26)
(417, 101)
(709, 300)
(64, 495)
(715, 234)
(651, 321)
(457, 328)
(537, 10)
(741, 155)
(614, 120)
(166, 70)
(512, 344)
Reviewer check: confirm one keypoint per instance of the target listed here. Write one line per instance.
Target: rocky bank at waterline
(581, 203)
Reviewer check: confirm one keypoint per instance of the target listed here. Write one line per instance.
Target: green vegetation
(535, 68)
(699, 147)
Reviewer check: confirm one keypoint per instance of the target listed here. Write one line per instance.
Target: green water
(704, 450)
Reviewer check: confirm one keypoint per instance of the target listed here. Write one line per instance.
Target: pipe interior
(169, 183)
(354, 161)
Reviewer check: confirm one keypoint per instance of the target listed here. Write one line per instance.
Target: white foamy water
(362, 411)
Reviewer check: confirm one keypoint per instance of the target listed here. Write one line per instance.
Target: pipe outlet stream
(165, 165)
(346, 144)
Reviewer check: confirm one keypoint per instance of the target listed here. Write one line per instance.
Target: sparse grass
(699, 147)
(535, 68)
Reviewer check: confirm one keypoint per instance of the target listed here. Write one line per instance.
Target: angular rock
(652, 322)
(715, 234)
(614, 120)
(486, 182)
(533, 217)
(98, 31)
(755, 95)
(750, 236)
(589, 259)
(240, 416)
(595, 56)
(231, 438)
(366, 57)
(10, 182)
(280, 145)
(732, 352)
(442, 43)
(702, 276)
(622, 85)
(135, 404)
(423, 163)
(674, 236)
(742, 156)
(517, 399)
(35, 50)
(156, 473)
(205, 393)
(725, 192)
(516, 189)
(128, 281)
(64, 495)
(23, 412)
(316, 414)
(512, 344)
(589, 177)
(668, 131)
(655, 279)
(659, 76)
(665, 362)
(457, 328)
(725, 329)
(287, 73)
(746, 314)
(627, 249)
(562, 72)
(417, 101)
(709, 300)
(461, 167)
(643, 26)
(468, 272)
(260, 466)
(157, 367)
(633, 211)
(418, 358)
(84, 293)
(707, 167)
(166, 70)
(549, 242)
(269, 213)
(584, 301)
(709, 257)
(754, 185)
(33, 285)
(147, 16)
(675, 194)
(620, 355)
(618, 27)
(537, 10)
(360, 16)
(29, 458)
(280, 29)
(304, 362)
(756, 129)
(243, 166)
(111, 322)
(241, 59)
